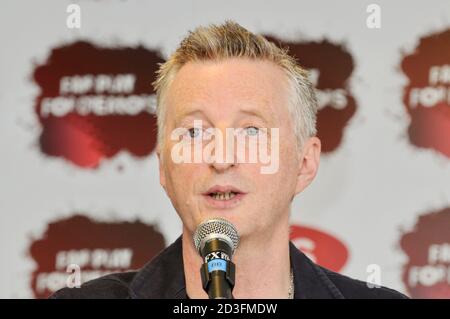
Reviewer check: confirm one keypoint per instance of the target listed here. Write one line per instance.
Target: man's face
(233, 93)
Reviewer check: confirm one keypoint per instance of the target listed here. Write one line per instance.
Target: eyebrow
(250, 112)
(183, 116)
(254, 113)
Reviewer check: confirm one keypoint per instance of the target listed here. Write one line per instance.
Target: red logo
(96, 248)
(322, 248)
(427, 272)
(427, 95)
(330, 66)
(95, 102)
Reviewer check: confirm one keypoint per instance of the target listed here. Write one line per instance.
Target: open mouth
(223, 195)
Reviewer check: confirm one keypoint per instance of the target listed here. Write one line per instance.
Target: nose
(223, 156)
(221, 167)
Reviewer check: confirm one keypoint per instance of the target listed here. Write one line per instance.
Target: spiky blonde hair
(230, 40)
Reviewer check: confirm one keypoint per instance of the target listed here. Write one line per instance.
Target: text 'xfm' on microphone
(216, 241)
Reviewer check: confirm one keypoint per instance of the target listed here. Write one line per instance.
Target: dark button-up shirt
(163, 277)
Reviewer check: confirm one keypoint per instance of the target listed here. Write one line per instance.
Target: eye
(252, 130)
(194, 132)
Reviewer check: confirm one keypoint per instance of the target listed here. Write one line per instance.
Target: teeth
(223, 196)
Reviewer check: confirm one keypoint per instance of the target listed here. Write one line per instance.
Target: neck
(262, 265)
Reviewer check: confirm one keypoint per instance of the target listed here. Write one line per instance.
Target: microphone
(216, 241)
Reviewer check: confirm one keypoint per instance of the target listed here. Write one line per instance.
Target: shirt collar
(163, 277)
(310, 280)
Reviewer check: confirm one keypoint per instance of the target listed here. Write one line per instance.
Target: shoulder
(356, 289)
(113, 286)
(313, 281)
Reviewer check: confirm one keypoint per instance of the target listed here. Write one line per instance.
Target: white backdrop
(368, 191)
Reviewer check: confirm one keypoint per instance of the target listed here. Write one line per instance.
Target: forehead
(227, 85)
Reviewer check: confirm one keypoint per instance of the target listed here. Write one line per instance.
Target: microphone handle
(219, 288)
(218, 272)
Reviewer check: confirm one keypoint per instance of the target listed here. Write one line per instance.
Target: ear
(309, 158)
(162, 174)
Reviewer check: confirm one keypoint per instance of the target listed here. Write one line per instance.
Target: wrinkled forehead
(232, 85)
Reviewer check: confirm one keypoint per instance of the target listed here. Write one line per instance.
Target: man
(226, 77)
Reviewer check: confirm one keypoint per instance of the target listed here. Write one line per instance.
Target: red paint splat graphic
(331, 67)
(95, 102)
(427, 272)
(427, 95)
(97, 247)
(322, 248)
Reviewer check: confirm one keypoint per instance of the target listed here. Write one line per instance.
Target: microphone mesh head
(220, 227)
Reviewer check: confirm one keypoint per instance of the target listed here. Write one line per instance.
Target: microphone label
(216, 255)
(217, 264)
